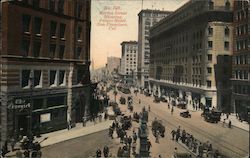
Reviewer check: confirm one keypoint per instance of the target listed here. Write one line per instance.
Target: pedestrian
(157, 137)
(149, 145)
(173, 134)
(134, 136)
(105, 116)
(149, 108)
(134, 148)
(100, 118)
(12, 144)
(83, 122)
(139, 101)
(172, 110)
(98, 153)
(229, 124)
(200, 150)
(106, 151)
(120, 152)
(223, 123)
(129, 141)
(227, 115)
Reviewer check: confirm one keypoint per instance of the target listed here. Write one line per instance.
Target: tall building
(241, 58)
(185, 50)
(147, 18)
(44, 55)
(113, 64)
(128, 66)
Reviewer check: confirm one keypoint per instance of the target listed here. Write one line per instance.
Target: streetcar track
(222, 143)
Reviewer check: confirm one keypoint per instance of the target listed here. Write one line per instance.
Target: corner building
(128, 64)
(185, 50)
(241, 59)
(45, 50)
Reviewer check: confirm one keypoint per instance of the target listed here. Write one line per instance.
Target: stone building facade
(185, 48)
(129, 57)
(44, 55)
(241, 58)
(147, 18)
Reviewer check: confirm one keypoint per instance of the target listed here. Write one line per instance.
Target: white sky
(105, 42)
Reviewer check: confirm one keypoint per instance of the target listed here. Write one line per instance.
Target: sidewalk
(235, 122)
(65, 134)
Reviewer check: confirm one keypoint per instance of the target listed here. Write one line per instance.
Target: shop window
(37, 80)
(208, 84)
(25, 78)
(62, 31)
(62, 77)
(25, 47)
(26, 23)
(37, 25)
(37, 104)
(36, 48)
(53, 25)
(61, 51)
(52, 78)
(52, 51)
(209, 102)
(55, 101)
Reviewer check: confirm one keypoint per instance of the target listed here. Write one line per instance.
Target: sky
(114, 21)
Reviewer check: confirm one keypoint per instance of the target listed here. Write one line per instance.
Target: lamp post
(30, 134)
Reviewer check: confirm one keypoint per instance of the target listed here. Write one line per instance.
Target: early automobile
(185, 114)
(157, 99)
(212, 116)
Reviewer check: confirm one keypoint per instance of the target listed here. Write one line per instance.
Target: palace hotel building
(190, 53)
(45, 58)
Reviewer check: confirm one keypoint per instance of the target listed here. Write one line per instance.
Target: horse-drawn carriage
(122, 100)
(126, 122)
(157, 126)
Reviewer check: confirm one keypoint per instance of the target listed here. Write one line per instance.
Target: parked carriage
(185, 114)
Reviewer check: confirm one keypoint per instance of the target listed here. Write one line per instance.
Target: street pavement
(233, 142)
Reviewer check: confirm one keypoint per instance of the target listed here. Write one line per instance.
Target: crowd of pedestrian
(201, 149)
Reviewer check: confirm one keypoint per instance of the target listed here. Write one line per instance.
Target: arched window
(227, 5)
(211, 5)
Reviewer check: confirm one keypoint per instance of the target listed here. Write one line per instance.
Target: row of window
(241, 89)
(241, 59)
(37, 25)
(226, 45)
(34, 78)
(241, 30)
(242, 74)
(210, 31)
(241, 45)
(240, 15)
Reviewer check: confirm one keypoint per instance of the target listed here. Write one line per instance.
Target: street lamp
(30, 135)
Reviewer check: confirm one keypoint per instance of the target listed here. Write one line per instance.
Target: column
(189, 100)
(3, 115)
(180, 94)
(203, 99)
(69, 96)
(159, 91)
